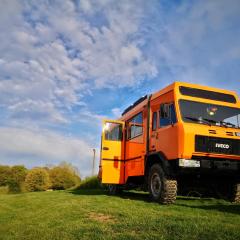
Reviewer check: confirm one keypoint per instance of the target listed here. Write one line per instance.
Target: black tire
(113, 189)
(161, 189)
(236, 193)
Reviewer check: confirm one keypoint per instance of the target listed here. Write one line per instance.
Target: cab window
(154, 121)
(167, 114)
(113, 131)
(135, 126)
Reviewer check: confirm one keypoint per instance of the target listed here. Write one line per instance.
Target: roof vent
(134, 104)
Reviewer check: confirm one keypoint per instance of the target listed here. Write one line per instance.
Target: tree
(13, 177)
(64, 176)
(37, 179)
(5, 172)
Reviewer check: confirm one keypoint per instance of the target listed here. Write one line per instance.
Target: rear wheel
(161, 189)
(113, 189)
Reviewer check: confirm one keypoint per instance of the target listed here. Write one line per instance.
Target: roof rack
(134, 104)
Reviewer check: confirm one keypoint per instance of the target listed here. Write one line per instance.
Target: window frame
(130, 125)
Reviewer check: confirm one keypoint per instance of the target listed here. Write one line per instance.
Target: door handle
(105, 148)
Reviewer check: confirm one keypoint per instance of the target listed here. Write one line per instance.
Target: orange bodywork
(126, 158)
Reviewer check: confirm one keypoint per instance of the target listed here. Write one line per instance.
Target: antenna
(93, 163)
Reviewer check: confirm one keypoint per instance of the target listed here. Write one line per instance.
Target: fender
(158, 157)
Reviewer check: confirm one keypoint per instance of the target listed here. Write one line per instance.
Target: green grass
(91, 214)
(4, 190)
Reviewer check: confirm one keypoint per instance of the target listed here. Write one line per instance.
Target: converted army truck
(184, 138)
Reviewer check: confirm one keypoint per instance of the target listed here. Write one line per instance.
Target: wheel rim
(156, 185)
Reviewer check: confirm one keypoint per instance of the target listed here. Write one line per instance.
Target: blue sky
(66, 65)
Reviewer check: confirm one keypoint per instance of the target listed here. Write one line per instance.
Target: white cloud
(45, 146)
(117, 112)
(195, 39)
(32, 110)
(56, 58)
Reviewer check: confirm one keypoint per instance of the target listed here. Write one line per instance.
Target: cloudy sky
(65, 65)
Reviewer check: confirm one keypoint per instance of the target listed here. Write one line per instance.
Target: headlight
(237, 134)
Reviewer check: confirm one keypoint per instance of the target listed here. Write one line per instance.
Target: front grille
(217, 145)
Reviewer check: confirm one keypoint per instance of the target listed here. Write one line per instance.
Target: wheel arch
(159, 158)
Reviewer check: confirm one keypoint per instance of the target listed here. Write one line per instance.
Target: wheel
(113, 189)
(236, 193)
(161, 189)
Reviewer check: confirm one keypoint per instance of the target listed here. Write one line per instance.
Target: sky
(66, 65)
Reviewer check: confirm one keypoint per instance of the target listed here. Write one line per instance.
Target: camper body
(180, 138)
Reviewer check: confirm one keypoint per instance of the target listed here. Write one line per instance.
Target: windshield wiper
(198, 120)
(227, 124)
(221, 123)
(210, 120)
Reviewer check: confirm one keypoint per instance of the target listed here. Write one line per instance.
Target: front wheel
(161, 189)
(236, 193)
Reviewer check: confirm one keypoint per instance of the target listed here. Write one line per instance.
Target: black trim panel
(121, 160)
(217, 145)
(206, 94)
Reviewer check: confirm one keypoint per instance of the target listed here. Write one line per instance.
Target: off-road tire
(161, 189)
(236, 193)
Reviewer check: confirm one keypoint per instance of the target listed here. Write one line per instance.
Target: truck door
(112, 152)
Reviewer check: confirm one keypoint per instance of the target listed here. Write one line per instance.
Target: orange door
(112, 152)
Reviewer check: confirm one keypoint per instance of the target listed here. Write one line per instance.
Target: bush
(37, 179)
(17, 178)
(64, 176)
(90, 183)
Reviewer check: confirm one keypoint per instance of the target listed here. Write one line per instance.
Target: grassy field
(91, 214)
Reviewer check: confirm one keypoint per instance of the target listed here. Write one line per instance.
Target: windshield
(210, 114)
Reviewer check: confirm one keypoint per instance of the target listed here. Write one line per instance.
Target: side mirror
(165, 111)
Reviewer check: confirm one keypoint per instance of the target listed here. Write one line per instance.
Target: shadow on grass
(135, 195)
(132, 195)
(89, 192)
(190, 198)
(143, 196)
(225, 208)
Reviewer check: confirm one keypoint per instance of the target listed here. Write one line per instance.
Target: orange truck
(182, 139)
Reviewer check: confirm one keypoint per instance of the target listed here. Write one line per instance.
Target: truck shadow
(132, 195)
(87, 192)
(220, 207)
(208, 204)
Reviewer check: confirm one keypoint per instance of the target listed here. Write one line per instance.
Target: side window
(167, 114)
(173, 114)
(154, 121)
(113, 131)
(135, 126)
